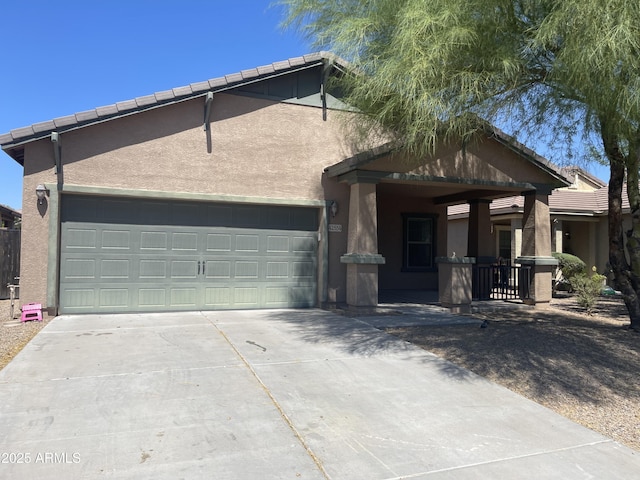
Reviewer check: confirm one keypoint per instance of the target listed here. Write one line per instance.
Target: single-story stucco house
(244, 192)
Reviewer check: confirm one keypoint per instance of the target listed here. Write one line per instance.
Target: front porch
(398, 221)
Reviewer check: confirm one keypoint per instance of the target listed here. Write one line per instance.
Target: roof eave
(13, 142)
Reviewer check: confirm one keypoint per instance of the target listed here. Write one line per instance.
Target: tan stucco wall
(457, 237)
(258, 148)
(485, 160)
(38, 169)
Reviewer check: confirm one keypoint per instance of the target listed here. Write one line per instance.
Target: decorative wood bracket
(326, 71)
(207, 110)
(57, 151)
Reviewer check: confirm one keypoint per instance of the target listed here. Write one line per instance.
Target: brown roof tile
(146, 100)
(164, 95)
(43, 126)
(65, 121)
(86, 115)
(233, 78)
(218, 82)
(182, 91)
(199, 86)
(107, 110)
(250, 73)
(126, 106)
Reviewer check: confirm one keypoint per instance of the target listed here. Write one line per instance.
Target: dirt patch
(584, 367)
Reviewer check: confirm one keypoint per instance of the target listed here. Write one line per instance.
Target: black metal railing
(501, 282)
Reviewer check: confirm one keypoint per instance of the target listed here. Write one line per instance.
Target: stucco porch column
(362, 257)
(536, 245)
(479, 243)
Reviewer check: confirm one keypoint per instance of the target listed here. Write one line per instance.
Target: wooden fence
(9, 259)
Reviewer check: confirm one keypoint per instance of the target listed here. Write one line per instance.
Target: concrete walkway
(301, 394)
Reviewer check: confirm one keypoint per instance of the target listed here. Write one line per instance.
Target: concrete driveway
(301, 394)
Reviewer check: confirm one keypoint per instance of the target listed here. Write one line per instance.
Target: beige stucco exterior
(260, 150)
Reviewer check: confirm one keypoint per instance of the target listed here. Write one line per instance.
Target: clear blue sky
(66, 56)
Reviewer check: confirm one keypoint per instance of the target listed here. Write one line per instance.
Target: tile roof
(36, 131)
(562, 201)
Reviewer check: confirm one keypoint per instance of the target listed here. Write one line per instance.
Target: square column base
(455, 279)
(541, 290)
(362, 285)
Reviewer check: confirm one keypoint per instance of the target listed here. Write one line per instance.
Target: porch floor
(425, 301)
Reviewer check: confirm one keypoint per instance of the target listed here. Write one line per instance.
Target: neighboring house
(245, 192)
(9, 218)
(578, 215)
(9, 249)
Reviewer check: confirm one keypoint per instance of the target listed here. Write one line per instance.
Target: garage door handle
(198, 268)
(203, 265)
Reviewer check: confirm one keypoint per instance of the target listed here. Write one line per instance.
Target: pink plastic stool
(31, 311)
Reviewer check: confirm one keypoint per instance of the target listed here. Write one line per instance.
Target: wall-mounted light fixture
(41, 192)
(334, 208)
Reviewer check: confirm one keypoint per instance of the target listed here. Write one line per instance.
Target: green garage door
(134, 255)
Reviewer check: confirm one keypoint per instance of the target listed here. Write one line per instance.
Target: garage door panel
(219, 215)
(78, 299)
(154, 241)
(183, 297)
(114, 298)
(278, 244)
(181, 269)
(184, 241)
(277, 270)
(116, 239)
(219, 242)
(303, 270)
(245, 297)
(247, 216)
(231, 256)
(115, 268)
(155, 212)
(246, 269)
(153, 269)
(81, 238)
(219, 297)
(218, 269)
(79, 269)
(304, 244)
(247, 243)
(151, 298)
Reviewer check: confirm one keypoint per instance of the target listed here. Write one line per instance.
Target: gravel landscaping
(583, 367)
(14, 335)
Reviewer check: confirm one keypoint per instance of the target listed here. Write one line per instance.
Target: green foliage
(588, 289)
(432, 67)
(570, 265)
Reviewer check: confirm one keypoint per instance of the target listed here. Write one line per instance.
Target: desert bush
(587, 289)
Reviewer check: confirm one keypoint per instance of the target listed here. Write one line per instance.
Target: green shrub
(570, 265)
(588, 288)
